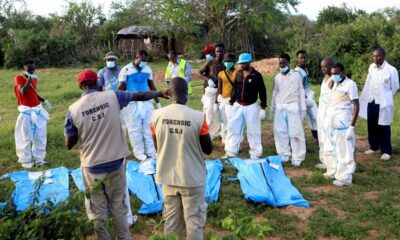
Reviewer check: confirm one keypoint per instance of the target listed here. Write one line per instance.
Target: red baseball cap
(208, 48)
(87, 76)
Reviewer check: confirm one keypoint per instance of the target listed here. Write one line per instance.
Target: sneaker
(132, 220)
(385, 157)
(296, 163)
(141, 157)
(320, 166)
(285, 158)
(328, 176)
(40, 163)
(27, 165)
(340, 183)
(370, 152)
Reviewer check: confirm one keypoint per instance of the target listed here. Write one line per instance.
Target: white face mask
(283, 70)
(110, 64)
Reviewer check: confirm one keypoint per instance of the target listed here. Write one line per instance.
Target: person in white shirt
(342, 113)
(324, 100)
(312, 108)
(178, 67)
(377, 105)
(288, 104)
(138, 77)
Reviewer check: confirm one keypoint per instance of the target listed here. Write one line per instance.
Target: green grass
(369, 209)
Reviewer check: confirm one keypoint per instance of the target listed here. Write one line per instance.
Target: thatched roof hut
(133, 38)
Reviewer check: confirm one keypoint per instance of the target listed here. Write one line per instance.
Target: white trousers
(137, 117)
(224, 109)
(239, 116)
(289, 132)
(312, 111)
(338, 150)
(321, 117)
(212, 116)
(31, 134)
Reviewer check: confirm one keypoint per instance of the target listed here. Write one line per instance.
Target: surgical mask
(110, 64)
(142, 64)
(336, 78)
(228, 65)
(209, 57)
(283, 70)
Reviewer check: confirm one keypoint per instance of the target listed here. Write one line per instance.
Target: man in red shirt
(31, 126)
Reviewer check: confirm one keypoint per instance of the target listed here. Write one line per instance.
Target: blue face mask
(283, 70)
(228, 65)
(209, 57)
(336, 78)
(110, 64)
(142, 64)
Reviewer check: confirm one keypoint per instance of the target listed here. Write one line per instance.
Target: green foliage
(243, 226)
(67, 220)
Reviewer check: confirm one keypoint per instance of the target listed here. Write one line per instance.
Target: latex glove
(159, 105)
(215, 107)
(350, 133)
(211, 83)
(220, 99)
(262, 114)
(303, 114)
(48, 104)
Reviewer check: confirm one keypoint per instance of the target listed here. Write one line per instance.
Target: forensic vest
(97, 117)
(180, 159)
(137, 81)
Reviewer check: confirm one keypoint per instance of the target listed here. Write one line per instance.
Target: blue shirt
(108, 78)
(136, 79)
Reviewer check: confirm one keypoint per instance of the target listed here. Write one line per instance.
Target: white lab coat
(389, 87)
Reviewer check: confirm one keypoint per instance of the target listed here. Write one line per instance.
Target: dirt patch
(371, 195)
(297, 172)
(300, 212)
(266, 66)
(362, 143)
(323, 189)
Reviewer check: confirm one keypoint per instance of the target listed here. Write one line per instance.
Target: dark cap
(229, 57)
(111, 55)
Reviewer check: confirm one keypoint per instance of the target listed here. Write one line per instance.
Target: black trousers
(378, 135)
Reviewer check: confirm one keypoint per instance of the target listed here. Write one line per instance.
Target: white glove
(303, 114)
(262, 114)
(211, 83)
(48, 104)
(159, 105)
(350, 133)
(220, 99)
(216, 107)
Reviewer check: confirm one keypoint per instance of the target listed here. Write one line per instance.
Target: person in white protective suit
(134, 77)
(226, 82)
(210, 70)
(31, 125)
(340, 143)
(324, 100)
(248, 87)
(312, 109)
(289, 107)
(377, 105)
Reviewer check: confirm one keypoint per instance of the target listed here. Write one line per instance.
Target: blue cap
(244, 58)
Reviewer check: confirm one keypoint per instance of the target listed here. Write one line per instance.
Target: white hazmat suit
(288, 104)
(339, 145)
(31, 134)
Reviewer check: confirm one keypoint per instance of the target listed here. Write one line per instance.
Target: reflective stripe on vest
(181, 71)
